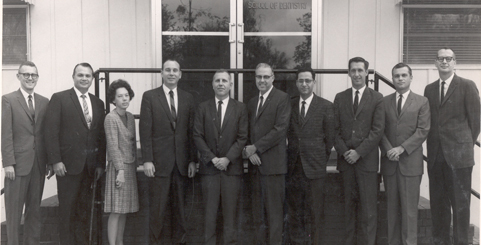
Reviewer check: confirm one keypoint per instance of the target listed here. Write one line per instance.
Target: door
(213, 34)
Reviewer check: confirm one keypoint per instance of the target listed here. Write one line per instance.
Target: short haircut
(223, 71)
(170, 59)
(265, 65)
(306, 69)
(357, 60)
(401, 65)
(119, 83)
(84, 64)
(28, 63)
(447, 48)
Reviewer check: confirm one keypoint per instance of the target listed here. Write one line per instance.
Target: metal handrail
(377, 77)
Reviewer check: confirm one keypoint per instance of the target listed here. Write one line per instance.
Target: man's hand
(59, 169)
(222, 164)
(351, 156)
(9, 172)
(49, 173)
(250, 150)
(255, 159)
(98, 173)
(120, 180)
(191, 170)
(149, 169)
(394, 153)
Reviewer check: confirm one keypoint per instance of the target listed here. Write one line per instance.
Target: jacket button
(220, 137)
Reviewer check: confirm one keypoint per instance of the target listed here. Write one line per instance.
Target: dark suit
(310, 141)
(267, 131)
(170, 150)
(228, 141)
(81, 149)
(402, 178)
(454, 130)
(23, 148)
(362, 132)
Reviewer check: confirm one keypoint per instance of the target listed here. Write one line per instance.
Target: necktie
(399, 104)
(172, 107)
(219, 114)
(86, 110)
(303, 110)
(30, 106)
(356, 102)
(442, 91)
(260, 105)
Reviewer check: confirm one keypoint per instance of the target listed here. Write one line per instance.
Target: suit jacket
(409, 130)
(268, 131)
(455, 122)
(121, 140)
(228, 141)
(312, 138)
(361, 131)
(67, 136)
(160, 142)
(22, 135)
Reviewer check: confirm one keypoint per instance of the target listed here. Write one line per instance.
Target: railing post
(376, 82)
(107, 84)
(236, 85)
(97, 84)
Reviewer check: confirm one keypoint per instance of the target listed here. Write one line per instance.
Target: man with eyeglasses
(269, 115)
(311, 135)
(360, 116)
(23, 155)
(76, 147)
(455, 122)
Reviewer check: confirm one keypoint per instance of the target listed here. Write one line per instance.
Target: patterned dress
(121, 154)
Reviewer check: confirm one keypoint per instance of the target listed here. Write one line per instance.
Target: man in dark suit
(75, 141)
(23, 155)
(455, 113)
(269, 114)
(407, 122)
(168, 152)
(220, 134)
(311, 135)
(360, 116)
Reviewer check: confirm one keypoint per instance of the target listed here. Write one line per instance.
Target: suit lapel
(392, 104)
(95, 111)
(228, 113)
(452, 87)
(22, 102)
(296, 112)
(312, 107)
(266, 102)
(77, 105)
(408, 103)
(212, 115)
(365, 97)
(165, 105)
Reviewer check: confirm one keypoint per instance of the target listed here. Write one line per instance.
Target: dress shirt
(87, 98)
(224, 107)
(265, 97)
(361, 91)
(448, 82)
(25, 95)
(405, 95)
(308, 102)
(167, 95)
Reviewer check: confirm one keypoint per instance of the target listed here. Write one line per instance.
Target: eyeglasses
(259, 77)
(441, 59)
(307, 81)
(27, 75)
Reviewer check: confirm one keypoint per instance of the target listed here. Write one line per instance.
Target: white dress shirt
(405, 95)
(265, 97)
(87, 98)
(446, 86)
(25, 95)
(361, 91)
(224, 107)
(176, 98)
(308, 103)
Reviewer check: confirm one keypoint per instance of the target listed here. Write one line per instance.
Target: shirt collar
(25, 94)
(167, 90)
(361, 90)
(267, 93)
(308, 100)
(224, 101)
(80, 93)
(405, 95)
(447, 81)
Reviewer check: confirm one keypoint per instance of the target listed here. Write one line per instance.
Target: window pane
(195, 15)
(272, 16)
(14, 35)
(428, 30)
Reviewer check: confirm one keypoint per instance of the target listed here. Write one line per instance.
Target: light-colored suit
(402, 178)
(23, 148)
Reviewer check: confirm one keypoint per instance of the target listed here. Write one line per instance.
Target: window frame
(28, 33)
(431, 6)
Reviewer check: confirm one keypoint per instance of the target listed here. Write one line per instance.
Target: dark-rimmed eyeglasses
(27, 75)
(307, 81)
(259, 77)
(441, 59)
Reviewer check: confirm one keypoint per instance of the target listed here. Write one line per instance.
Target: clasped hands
(149, 169)
(351, 156)
(394, 153)
(250, 152)
(221, 163)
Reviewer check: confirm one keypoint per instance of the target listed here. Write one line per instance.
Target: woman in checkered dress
(121, 194)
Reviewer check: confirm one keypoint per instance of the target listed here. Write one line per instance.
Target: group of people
(287, 142)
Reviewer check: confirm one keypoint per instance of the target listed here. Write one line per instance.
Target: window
(432, 24)
(15, 26)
